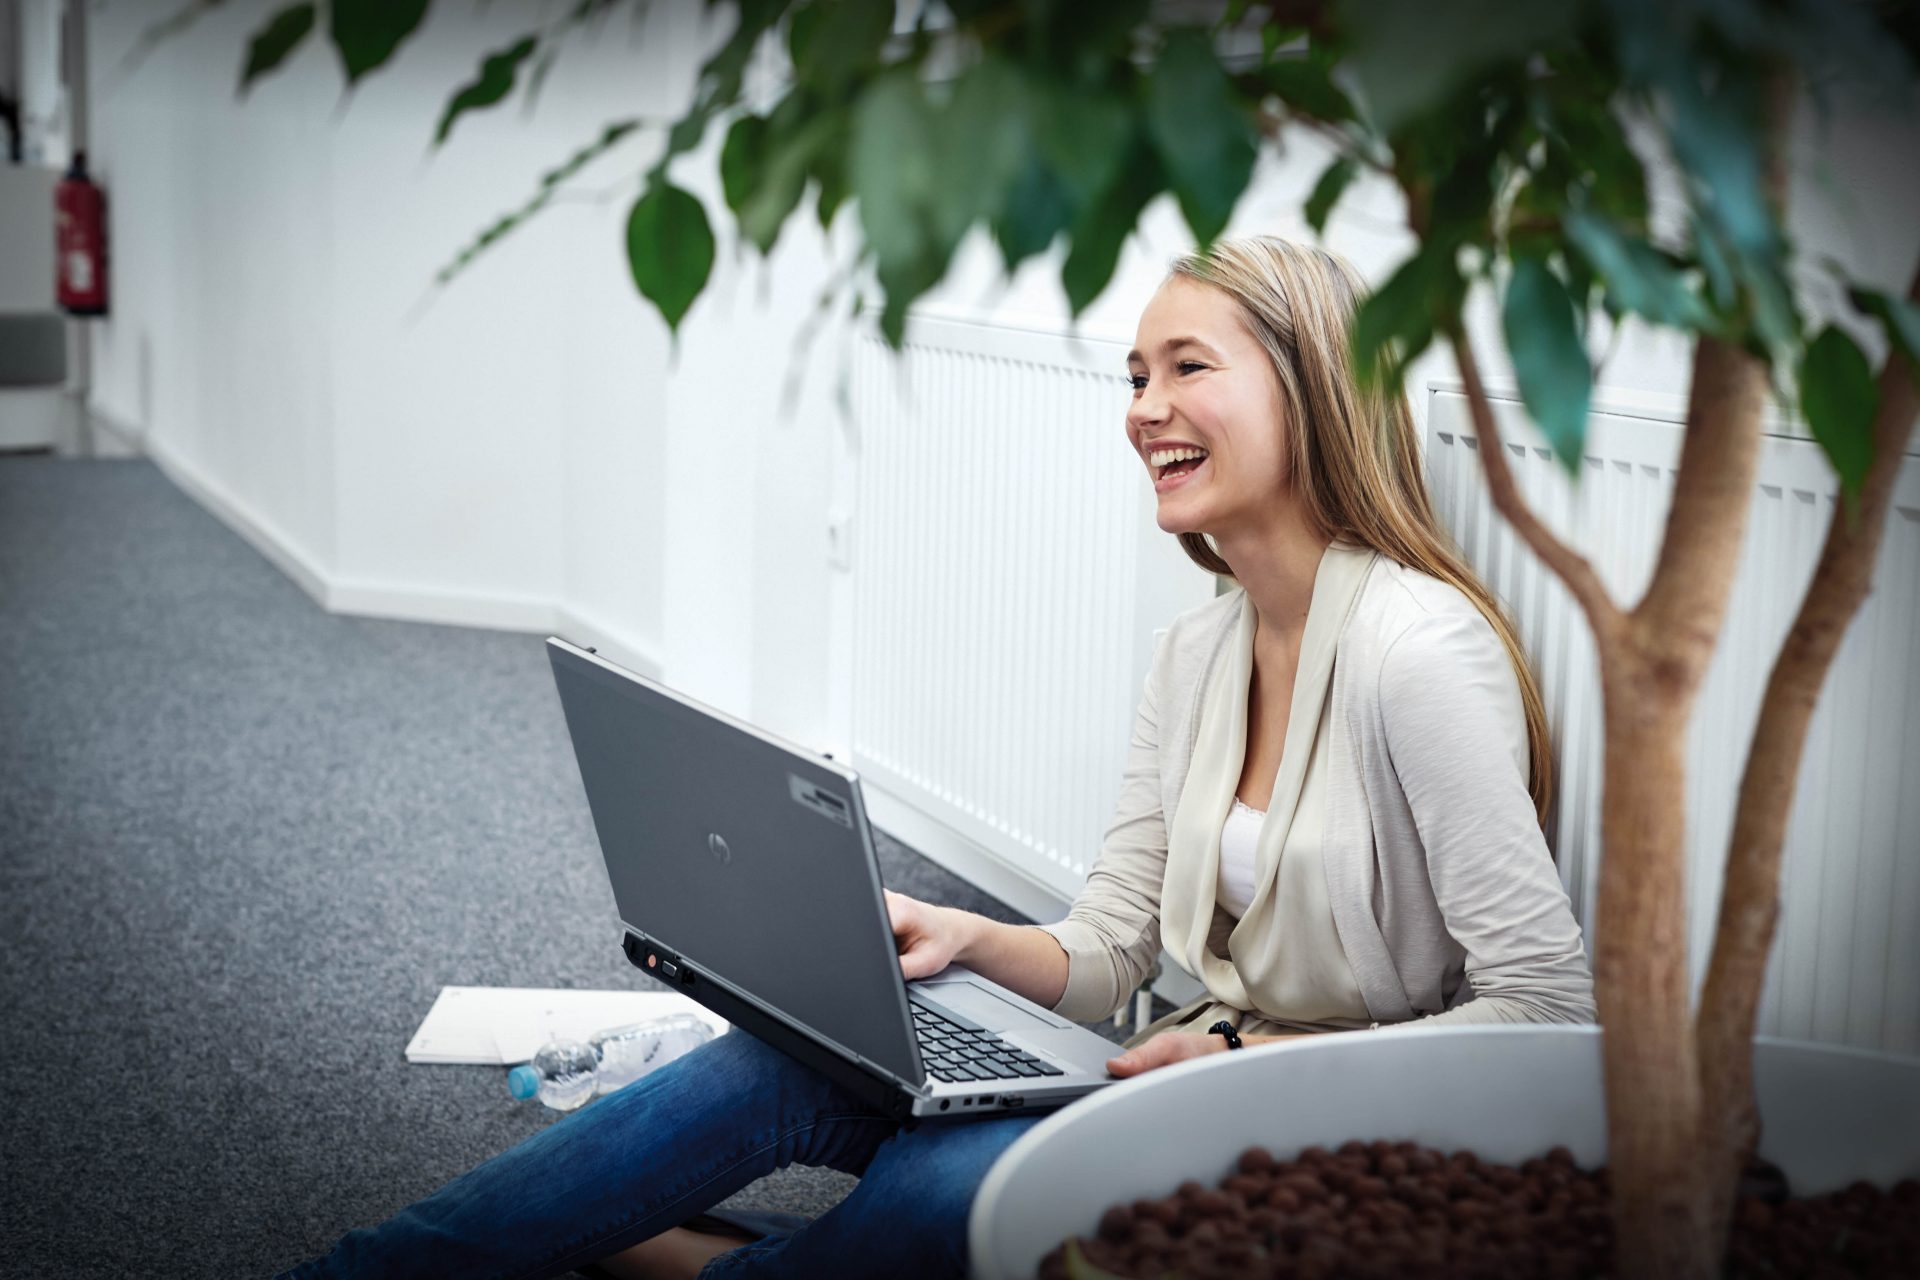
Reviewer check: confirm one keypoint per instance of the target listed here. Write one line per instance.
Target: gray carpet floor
(243, 844)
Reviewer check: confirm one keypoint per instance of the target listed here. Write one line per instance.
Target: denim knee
(907, 1216)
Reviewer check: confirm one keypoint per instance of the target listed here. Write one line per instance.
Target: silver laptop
(744, 872)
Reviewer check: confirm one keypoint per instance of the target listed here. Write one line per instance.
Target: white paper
(505, 1025)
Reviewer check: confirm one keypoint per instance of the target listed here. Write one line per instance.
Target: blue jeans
(678, 1141)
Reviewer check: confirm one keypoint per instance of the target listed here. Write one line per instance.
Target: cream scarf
(1193, 843)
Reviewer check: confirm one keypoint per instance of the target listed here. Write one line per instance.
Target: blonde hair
(1354, 459)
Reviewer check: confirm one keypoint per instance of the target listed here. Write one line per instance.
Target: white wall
(487, 453)
(26, 251)
(529, 449)
(46, 115)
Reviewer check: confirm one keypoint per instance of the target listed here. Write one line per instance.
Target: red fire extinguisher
(80, 242)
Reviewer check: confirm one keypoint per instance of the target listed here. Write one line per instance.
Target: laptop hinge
(887, 1098)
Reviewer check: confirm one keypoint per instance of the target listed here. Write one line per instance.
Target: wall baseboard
(258, 532)
(373, 599)
(408, 603)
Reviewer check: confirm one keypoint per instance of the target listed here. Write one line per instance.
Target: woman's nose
(1147, 410)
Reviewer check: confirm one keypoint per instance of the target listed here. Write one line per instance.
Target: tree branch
(1573, 568)
(1750, 902)
(1719, 456)
(1686, 601)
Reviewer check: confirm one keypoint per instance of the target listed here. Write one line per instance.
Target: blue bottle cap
(524, 1082)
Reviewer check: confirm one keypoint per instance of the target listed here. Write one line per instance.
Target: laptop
(744, 872)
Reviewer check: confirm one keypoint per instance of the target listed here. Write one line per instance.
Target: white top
(1237, 842)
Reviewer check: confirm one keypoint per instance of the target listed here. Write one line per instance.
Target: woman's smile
(1178, 475)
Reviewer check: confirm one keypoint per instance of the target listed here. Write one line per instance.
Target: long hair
(1354, 457)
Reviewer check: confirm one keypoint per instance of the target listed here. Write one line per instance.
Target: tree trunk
(1651, 670)
(1640, 971)
(1750, 902)
(1652, 663)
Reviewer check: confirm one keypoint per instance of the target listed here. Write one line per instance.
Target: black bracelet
(1225, 1028)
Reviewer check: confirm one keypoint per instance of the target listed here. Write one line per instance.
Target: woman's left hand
(1164, 1050)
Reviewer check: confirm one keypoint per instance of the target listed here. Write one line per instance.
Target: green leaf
(1577, 274)
(1548, 359)
(902, 283)
(1079, 39)
(1466, 151)
(366, 32)
(833, 43)
(1326, 192)
(1102, 230)
(1201, 133)
(720, 80)
(893, 168)
(670, 249)
(1638, 277)
(1037, 209)
(1838, 397)
(1717, 139)
(494, 82)
(1776, 321)
(1083, 137)
(1396, 322)
(1899, 316)
(1271, 34)
(1590, 139)
(1406, 62)
(742, 159)
(1306, 84)
(830, 172)
(982, 142)
(796, 134)
(1714, 263)
(272, 44)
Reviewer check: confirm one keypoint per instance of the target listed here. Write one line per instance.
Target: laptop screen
(743, 854)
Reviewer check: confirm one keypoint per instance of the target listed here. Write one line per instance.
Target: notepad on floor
(505, 1025)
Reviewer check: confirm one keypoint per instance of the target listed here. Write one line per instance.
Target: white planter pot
(1506, 1093)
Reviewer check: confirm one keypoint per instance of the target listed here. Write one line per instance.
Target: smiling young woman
(1329, 815)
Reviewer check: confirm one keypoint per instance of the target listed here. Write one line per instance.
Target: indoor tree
(1524, 139)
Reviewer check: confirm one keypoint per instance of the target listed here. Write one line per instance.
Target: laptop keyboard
(955, 1049)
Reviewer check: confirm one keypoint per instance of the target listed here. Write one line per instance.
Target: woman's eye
(1188, 366)
(1138, 381)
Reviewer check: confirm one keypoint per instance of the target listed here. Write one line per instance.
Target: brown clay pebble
(1397, 1209)
(1256, 1160)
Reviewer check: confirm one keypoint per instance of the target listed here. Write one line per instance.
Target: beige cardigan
(1443, 893)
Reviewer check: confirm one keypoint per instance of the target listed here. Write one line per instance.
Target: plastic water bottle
(567, 1074)
(627, 1053)
(562, 1075)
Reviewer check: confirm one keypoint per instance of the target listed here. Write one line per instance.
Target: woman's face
(1200, 380)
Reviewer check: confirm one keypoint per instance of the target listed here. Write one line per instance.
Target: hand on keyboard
(927, 937)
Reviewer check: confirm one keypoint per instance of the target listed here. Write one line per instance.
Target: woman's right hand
(929, 938)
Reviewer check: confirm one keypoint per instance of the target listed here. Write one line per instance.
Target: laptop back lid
(744, 854)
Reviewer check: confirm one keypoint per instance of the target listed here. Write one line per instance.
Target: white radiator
(1008, 579)
(1846, 963)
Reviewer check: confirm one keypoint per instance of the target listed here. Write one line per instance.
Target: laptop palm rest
(965, 996)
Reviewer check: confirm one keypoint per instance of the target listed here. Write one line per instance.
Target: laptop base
(885, 1098)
